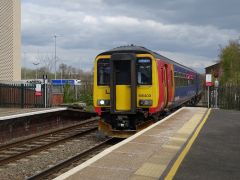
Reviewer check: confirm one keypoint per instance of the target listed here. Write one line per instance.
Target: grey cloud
(89, 26)
(222, 14)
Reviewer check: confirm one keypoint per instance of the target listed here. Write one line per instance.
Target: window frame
(98, 72)
(137, 70)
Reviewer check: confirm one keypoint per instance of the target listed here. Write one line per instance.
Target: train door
(123, 83)
(165, 85)
(170, 86)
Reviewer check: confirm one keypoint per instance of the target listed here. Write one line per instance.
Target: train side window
(176, 79)
(144, 71)
(103, 72)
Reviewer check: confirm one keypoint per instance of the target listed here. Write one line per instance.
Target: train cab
(126, 88)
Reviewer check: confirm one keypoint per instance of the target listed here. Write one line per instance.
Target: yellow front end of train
(126, 86)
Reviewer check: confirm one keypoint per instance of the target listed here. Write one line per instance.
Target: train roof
(139, 49)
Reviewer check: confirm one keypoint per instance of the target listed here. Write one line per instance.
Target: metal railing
(224, 97)
(23, 96)
(229, 97)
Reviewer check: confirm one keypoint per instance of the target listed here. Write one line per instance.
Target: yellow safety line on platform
(182, 155)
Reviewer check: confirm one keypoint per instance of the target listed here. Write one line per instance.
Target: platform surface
(10, 113)
(145, 155)
(215, 154)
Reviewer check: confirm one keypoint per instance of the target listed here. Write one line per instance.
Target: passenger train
(134, 85)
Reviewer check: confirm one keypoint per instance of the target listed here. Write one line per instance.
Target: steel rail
(67, 162)
(7, 146)
(45, 146)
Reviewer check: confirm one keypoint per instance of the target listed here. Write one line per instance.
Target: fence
(22, 95)
(76, 90)
(225, 97)
(229, 97)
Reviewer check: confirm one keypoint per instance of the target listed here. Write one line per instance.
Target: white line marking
(31, 113)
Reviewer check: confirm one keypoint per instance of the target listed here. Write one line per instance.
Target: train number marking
(144, 95)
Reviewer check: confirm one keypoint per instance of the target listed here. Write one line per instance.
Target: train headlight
(145, 102)
(103, 102)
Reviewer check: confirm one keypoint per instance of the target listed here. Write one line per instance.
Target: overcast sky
(187, 31)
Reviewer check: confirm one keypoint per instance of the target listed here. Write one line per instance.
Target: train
(133, 86)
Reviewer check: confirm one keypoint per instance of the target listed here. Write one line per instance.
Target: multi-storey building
(10, 40)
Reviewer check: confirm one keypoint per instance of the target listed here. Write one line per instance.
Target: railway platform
(215, 154)
(149, 154)
(192, 143)
(17, 124)
(10, 113)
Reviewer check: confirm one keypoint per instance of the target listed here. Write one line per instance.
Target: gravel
(31, 165)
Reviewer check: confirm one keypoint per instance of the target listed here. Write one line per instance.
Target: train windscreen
(144, 71)
(123, 72)
(103, 72)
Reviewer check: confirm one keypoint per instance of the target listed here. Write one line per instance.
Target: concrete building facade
(10, 40)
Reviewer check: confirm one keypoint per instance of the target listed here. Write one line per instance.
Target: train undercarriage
(125, 125)
(122, 126)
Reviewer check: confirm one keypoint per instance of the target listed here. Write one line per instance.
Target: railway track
(56, 170)
(14, 151)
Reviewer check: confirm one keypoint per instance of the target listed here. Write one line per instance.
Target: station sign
(38, 90)
(63, 82)
(216, 83)
(209, 80)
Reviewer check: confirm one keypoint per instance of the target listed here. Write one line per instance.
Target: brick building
(10, 40)
(215, 70)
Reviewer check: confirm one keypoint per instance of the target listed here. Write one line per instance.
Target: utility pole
(36, 64)
(55, 56)
(24, 62)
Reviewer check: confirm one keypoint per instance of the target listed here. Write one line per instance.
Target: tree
(46, 61)
(230, 63)
(28, 73)
(63, 70)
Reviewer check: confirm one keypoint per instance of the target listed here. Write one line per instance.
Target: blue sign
(144, 60)
(63, 81)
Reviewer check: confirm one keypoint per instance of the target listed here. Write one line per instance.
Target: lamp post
(36, 64)
(55, 55)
